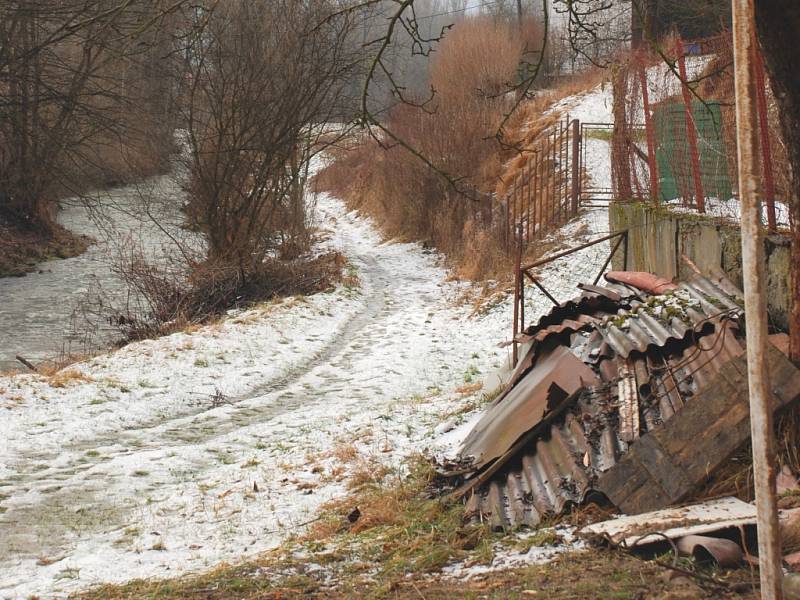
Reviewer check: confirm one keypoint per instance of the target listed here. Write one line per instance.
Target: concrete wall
(658, 238)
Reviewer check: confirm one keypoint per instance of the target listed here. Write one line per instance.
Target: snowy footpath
(177, 454)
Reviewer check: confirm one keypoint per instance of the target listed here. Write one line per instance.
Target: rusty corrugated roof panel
(662, 318)
(591, 299)
(558, 374)
(559, 470)
(554, 473)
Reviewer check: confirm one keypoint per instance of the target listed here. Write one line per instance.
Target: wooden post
(761, 422)
(691, 132)
(576, 172)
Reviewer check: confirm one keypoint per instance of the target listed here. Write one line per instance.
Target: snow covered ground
(177, 454)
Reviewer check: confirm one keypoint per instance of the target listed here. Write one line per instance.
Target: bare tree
(68, 79)
(262, 78)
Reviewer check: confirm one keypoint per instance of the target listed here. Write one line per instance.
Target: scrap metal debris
(587, 413)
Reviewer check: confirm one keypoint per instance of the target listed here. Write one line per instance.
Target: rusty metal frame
(522, 271)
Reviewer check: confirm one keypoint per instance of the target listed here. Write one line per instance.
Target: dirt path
(183, 486)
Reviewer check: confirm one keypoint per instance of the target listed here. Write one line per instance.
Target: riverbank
(23, 252)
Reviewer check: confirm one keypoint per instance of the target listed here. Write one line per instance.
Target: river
(40, 314)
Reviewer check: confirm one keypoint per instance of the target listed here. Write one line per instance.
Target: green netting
(673, 156)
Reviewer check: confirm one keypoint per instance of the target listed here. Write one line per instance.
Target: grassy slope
(397, 546)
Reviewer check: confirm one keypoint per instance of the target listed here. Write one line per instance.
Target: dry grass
(408, 199)
(393, 547)
(67, 377)
(790, 534)
(735, 477)
(466, 390)
(345, 452)
(366, 471)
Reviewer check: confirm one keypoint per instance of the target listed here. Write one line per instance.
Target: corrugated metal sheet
(559, 468)
(663, 318)
(593, 298)
(556, 376)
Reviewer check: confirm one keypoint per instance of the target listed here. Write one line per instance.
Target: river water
(41, 313)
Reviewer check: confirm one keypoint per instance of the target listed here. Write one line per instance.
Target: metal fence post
(651, 134)
(517, 300)
(576, 173)
(763, 130)
(691, 132)
(761, 422)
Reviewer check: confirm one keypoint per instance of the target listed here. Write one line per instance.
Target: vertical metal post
(576, 172)
(651, 134)
(528, 204)
(625, 252)
(761, 426)
(554, 177)
(691, 132)
(535, 198)
(517, 300)
(566, 150)
(514, 211)
(521, 286)
(507, 226)
(763, 130)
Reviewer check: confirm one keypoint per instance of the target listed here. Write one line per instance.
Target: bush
(165, 300)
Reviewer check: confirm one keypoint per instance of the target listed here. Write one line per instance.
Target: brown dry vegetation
(21, 250)
(170, 302)
(408, 199)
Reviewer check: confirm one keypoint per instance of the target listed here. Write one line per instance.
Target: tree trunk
(778, 25)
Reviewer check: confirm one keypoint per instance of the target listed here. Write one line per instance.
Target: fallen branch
(27, 363)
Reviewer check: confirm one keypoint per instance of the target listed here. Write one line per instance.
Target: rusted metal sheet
(588, 302)
(654, 322)
(674, 460)
(627, 404)
(544, 478)
(647, 282)
(544, 333)
(703, 548)
(527, 466)
(557, 375)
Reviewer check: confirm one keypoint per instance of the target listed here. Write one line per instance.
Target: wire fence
(674, 139)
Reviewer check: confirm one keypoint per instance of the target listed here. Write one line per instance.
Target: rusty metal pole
(517, 299)
(763, 130)
(576, 172)
(761, 426)
(691, 132)
(651, 134)
(521, 286)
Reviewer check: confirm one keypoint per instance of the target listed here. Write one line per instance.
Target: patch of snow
(507, 557)
(730, 209)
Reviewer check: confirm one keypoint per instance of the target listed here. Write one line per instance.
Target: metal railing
(521, 272)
